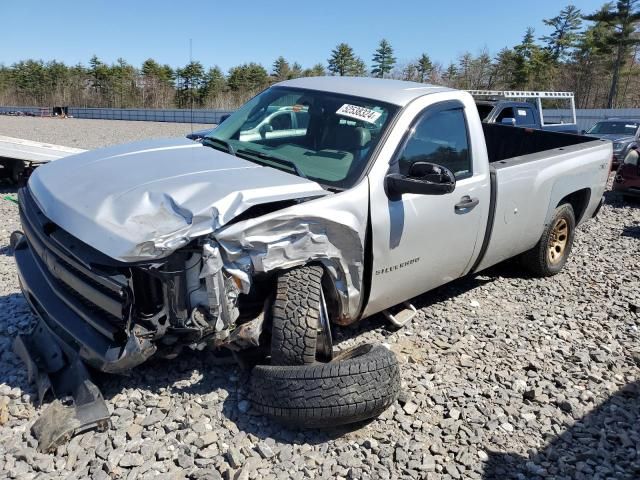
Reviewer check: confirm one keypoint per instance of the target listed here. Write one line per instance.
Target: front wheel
(300, 333)
(552, 250)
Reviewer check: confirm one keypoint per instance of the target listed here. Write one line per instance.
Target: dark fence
(585, 118)
(142, 114)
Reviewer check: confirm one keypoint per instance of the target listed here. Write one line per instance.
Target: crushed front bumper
(56, 350)
(73, 333)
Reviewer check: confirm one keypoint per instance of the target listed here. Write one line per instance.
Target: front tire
(297, 316)
(551, 252)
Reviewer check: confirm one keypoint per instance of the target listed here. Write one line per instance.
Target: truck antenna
(191, 83)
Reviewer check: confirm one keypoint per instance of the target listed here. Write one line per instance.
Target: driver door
(421, 241)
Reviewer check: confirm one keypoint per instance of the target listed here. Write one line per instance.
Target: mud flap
(78, 406)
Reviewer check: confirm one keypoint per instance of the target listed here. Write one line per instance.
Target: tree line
(594, 54)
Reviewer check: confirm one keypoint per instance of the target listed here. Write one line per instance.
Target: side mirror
(508, 121)
(264, 129)
(582, 132)
(424, 178)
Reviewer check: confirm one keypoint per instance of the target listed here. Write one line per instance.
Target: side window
(505, 113)
(281, 121)
(439, 138)
(524, 116)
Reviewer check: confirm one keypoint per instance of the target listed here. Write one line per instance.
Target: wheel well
(579, 201)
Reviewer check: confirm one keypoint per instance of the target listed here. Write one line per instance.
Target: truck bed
(533, 171)
(505, 142)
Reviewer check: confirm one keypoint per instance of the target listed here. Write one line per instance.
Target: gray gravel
(504, 377)
(86, 133)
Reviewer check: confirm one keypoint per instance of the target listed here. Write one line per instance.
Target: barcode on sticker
(359, 113)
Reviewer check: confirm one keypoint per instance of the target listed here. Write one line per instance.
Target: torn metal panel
(156, 196)
(79, 405)
(329, 230)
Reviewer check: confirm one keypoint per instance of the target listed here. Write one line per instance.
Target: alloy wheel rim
(558, 241)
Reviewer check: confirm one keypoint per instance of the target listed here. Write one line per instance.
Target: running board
(404, 316)
(79, 405)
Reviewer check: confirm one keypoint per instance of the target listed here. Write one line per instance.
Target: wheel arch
(579, 200)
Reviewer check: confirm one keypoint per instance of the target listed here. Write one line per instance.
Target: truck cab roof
(396, 92)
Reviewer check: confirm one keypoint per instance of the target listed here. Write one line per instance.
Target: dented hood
(143, 200)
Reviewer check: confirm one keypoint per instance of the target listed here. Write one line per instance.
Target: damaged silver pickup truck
(363, 194)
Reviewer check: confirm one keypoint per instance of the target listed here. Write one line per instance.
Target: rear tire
(551, 252)
(358, 384)
(296, 316)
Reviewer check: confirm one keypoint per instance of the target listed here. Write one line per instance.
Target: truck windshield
(323, 136)
(623, 128)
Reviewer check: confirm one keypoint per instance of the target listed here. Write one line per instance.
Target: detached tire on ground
(296, 316)
(358, 384)
(552, 250)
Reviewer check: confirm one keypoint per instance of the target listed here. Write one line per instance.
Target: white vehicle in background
(19, 157)
(283, 122)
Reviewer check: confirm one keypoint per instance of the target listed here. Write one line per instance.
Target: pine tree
(358, 68)
(534, 66)
(281, 69)
(424, 66)
(565, 34)
(248, 77)
(190, 82)
(214, 83)
(296, 70)
(383, 59)
(450, 75)
(623, 19)
(316, 71)
(342, 60)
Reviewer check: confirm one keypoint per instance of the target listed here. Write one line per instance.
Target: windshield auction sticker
(359, 113)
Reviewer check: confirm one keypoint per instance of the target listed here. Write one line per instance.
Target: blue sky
(233, 32)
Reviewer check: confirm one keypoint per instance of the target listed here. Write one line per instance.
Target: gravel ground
(85, 133)
(504, 376)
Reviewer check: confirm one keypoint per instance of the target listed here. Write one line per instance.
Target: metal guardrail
(136, 114)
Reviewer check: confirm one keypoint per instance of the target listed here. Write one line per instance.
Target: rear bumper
(74, 334)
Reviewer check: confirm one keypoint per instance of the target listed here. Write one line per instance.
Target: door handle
(465, 204)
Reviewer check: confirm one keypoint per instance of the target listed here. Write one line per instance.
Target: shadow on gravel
(615, 200)
(632, 231)
(6, 189)
(602, 444)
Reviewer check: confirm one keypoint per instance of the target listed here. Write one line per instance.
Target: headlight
(618, 146)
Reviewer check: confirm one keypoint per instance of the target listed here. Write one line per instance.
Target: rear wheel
(551, 252)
